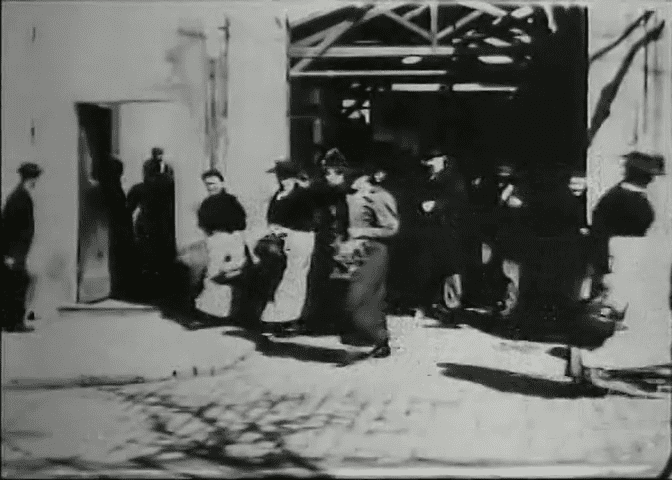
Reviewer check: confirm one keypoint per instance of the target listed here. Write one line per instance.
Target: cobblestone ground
(445, 395)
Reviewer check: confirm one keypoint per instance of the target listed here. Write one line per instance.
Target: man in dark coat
(442, 201)
(17, 237)
(155, 224)
(157, 164)
(624, 210)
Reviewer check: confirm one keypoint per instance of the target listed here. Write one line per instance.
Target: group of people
(324, 262)
(322, 232)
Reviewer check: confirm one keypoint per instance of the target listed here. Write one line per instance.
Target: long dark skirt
(365, 298)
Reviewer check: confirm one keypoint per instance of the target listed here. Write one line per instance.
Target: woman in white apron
(291, 214)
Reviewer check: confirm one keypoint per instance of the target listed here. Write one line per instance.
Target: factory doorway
(484, 83)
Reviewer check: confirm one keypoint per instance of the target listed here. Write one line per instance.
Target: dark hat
(29, 170)
(506, 169)
(432, 153)
(285, 168)
(157, 151)
(334, 159)
(652, 164)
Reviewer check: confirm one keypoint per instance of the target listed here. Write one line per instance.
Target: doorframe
(115, 106)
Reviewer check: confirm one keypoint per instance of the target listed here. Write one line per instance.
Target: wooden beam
(328, 41)
(415, 12)
(409, 25)
(484, 7)
(370, 73)
(461, 23)
(311, 40)
(434, 22)
(376, 52)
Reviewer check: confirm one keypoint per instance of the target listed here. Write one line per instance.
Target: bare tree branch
(610, 90)
(626, 33)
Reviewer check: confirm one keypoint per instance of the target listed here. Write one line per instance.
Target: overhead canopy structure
(419, 41)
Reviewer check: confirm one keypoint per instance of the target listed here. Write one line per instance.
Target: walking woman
(323, 307)
(291, 214)
(373, 221)
(223, 219)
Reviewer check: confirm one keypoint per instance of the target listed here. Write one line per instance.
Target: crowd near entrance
(496, 88)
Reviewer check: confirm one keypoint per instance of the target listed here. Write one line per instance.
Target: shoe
(381, 350)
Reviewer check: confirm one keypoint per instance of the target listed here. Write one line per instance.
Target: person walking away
(624, 211)
(122, 249)
(442, 202)
(223, 220)
(291, 214)
(633, 267)
(329, 193)
(153, 201)
(18, 229)
(373, 221)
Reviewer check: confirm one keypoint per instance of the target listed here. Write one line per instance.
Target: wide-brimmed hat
(285, 168)
(29, 170)
(653, 164)
(334, 159)
(157, 151)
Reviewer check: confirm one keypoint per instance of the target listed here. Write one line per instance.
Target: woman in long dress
(291, 214)
(223, 220)
(373, 221)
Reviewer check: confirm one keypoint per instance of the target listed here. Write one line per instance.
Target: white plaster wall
(114, 51)
(633, 122)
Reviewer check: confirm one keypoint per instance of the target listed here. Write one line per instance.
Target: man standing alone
(18, 229)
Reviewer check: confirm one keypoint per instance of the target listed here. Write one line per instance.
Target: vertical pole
(288, 84)
(223, 90)
(212, 130)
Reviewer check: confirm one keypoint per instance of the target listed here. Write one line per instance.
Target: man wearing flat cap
(442, 202)
(18, 229)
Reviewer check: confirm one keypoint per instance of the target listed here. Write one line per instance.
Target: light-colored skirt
(290, 296)
(640, 279)
(226, 254)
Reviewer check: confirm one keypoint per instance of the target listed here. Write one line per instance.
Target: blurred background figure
(18, 229)
(123, 257)
(152, 204)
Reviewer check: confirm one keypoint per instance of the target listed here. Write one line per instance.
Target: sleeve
(239, 216)
(133, 197)
(17, 217)
(387, 217)
(600, 233)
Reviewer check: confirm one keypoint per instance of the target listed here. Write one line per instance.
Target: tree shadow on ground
(520, 383)
(244, 435)
(289, 349)
(234, 438)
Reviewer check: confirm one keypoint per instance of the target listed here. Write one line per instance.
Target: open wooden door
(95, 145)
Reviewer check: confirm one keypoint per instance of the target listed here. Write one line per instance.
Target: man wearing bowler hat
(18, 229)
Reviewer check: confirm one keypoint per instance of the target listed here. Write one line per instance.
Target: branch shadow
(247, 444)
(519, 383)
